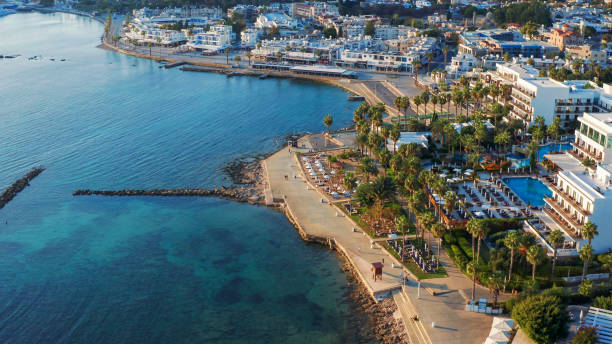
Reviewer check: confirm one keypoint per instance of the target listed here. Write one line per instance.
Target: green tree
(496, 283)
(604, 302)
(401, 226)
(589, 231)
(512, 241)
(330, 32)
(365, 195)
(472, 269)
(367, 168)
(328, 120)
(586, 255)
(543, 318)
(586, 288)
(395, 135)
(585, 335)
(476, 228)
(555, 238)
(535, 256)
(350, 181)
(370, 29)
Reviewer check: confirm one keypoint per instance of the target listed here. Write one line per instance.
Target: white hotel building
(533, 96)
(219, 37)
(581, 194)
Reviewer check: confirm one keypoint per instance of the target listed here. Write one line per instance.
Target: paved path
(453, 323)
(320, 220)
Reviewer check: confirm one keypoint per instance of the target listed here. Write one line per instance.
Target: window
(609, 142)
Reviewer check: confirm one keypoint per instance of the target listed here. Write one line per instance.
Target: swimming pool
(530, 190)
(546, 149)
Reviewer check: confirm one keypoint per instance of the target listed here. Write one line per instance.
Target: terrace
(581, 151)
(564, 217)
(568, 199)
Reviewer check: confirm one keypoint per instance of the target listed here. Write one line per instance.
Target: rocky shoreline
(18, 186)
(385, 327)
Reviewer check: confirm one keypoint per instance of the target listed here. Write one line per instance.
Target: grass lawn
(411, 265)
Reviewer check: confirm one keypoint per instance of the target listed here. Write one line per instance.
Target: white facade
(249, 37)
(219, 37)
(549, 98)
(461, 64)
(275, 20)
(583, 194)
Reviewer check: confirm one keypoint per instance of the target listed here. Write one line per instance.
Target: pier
(174, 64)
(236, 194)
(18, 186)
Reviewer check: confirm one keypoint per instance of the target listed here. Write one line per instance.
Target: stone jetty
(18, 186)
(239, 194)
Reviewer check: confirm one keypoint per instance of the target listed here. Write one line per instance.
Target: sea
(146, 269)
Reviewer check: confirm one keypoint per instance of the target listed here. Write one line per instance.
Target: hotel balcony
(569, 199)
(520, 105)
(560, 221)
(581, 152)
(524, 93)
(571, 221)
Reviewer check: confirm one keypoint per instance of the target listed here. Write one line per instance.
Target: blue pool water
(151, 270)
(546, 149)
(530, 190)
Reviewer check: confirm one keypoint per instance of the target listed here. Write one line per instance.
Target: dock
(174, 64)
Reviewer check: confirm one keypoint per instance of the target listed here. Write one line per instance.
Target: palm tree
(417, 101)
(450, 202)
(586, 255)
(328, 120)
(350, 182)
(535, 256)
(496, 283)
(434, 102)
(405, 104)
(445, 52)
(429, 56)
(438, 231)
(395, 135)
(249, 55)
(416, 64)
(366, 167)
(555, 238)
(472, 269)
(502, 139)
(512, 242)
(477, 229)
(589, 231)
(401, 225)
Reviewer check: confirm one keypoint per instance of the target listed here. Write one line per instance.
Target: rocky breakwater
(18, 186)
(229, 193)
(247, 176)
(385, 324)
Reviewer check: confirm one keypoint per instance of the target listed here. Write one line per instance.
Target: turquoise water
(546, 149)
(151, 270)
(530, 190)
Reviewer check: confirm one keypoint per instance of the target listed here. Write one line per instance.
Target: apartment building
(581, 194)
(533, 96)
(219, 37)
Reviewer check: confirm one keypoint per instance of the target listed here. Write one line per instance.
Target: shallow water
(155, 270)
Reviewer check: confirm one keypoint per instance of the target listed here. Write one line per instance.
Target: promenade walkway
(320, 220)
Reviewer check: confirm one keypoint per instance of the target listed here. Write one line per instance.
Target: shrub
(543, 318)
(585, 335)
(450, 239)
(466, 246)
(604, 302)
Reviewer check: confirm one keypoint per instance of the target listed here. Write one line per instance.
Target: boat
(263, 76)
(354, 98)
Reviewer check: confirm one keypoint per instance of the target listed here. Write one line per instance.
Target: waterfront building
(460, 64)
(532, 96)
(581, 194)
(219, 37)
(276, 20)
(501, 42)
(249, 37)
